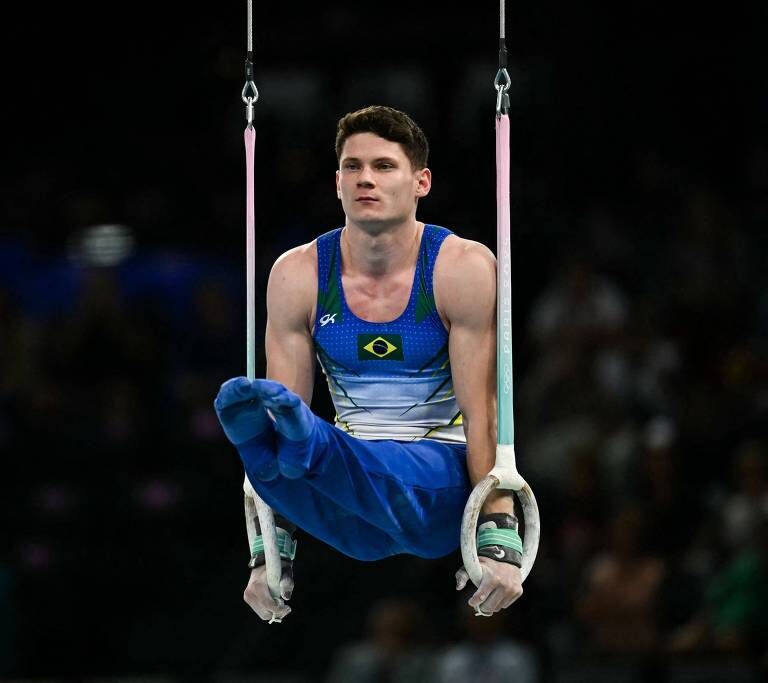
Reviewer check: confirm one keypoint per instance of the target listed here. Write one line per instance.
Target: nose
(365, 179)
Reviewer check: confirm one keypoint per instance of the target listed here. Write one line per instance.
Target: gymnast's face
(376, 183)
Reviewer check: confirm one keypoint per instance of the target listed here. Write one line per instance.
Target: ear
(424, 182)
(338, 187)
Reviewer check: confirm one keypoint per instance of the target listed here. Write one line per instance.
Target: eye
(350, 165)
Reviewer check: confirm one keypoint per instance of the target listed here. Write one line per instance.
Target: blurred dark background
(639, 183)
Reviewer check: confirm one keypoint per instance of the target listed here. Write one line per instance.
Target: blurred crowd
(640, 303)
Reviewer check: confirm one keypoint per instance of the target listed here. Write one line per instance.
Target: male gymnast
(401, 316)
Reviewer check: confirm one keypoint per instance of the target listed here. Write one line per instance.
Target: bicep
(472, 349)
(470, 295)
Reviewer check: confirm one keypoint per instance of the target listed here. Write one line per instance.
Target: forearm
(481, 458)
(292, 364)
(498, 542)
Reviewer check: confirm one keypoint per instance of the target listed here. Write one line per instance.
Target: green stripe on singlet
(330, 297)
(425, 300)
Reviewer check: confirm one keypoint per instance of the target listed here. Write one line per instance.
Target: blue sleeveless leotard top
(388, 380)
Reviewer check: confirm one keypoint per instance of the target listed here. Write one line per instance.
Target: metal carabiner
(249, 100)
(502, 83)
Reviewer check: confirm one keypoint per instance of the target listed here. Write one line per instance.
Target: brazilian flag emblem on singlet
(379, 347)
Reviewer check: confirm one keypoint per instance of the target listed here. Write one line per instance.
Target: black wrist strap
(500, 553)
(281, 524)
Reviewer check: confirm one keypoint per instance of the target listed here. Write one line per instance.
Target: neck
(380, 253)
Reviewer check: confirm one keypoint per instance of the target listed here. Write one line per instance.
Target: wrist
(286, 544)
(499, 502)
(498, 539)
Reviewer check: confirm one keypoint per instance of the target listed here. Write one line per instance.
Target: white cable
(250, 26)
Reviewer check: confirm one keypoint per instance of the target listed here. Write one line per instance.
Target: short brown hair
(387, 123)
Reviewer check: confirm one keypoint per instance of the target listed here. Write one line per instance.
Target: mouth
(366, 200)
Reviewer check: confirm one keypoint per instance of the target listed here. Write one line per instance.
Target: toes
(276, 396)
(234, 391)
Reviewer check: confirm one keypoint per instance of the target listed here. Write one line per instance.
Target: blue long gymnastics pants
(367, 499)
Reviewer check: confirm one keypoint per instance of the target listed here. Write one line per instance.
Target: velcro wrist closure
(285, 544)
(509, 538)
(497, 538)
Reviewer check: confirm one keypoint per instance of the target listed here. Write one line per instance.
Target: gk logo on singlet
(327, 318)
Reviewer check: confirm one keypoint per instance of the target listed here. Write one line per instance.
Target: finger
(256, 605)
(493, 603)
(461, 579)
(512, 597)
(483, 590)
(268, 609)
(281, 611)
(286, 587)
(259, 598)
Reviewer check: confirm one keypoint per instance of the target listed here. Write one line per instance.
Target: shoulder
(462, 257)
(293, 268)
(300, 256)
(465, 275)
(292, 286)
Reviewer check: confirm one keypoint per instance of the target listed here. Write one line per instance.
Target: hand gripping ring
(503, 476)
(256, 506)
